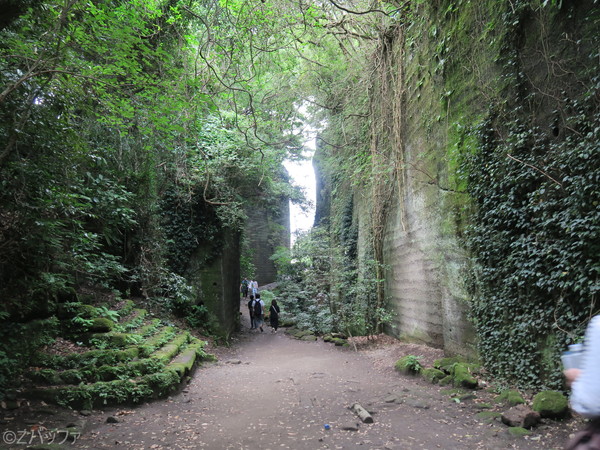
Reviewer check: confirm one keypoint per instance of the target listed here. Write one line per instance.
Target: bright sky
(303, 174)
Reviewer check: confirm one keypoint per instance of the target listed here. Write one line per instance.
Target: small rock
(520, 416)
(417, 404)
(112, 419)
(85, 412)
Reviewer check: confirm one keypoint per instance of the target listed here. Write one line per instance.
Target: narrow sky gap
(303, 174)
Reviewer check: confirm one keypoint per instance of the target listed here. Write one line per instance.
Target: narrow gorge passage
(270, 391)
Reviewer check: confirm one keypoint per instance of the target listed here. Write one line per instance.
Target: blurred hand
(571, 375)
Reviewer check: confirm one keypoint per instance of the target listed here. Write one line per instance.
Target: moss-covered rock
(101, 325)
(161, 337)
(73, 309)
(462, 376)
(72, 376)
(308, 337)
(433, 375)
(447, 380)
(299, 334)
(167, 352)
(445, 364)
(149, 328)
(551, 404)
(408, 365)
(510, 397)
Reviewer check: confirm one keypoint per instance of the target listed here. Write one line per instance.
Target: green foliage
(104, 311)
(535, 180)
(18, 344)
(409, 364)
(306, 292)
(188, 220)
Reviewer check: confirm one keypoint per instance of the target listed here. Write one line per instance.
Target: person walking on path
(254, 287)
(274, 316)
(259, 311)
(585, 389)
(251, 312)
(244, 287)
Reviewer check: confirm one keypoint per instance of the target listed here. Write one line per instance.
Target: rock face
(218, 282)
(412, 200)
(266, 229)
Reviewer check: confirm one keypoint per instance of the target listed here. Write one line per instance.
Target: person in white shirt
(585, 388)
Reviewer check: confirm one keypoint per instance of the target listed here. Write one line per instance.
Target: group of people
(256, 307)
(248, 287)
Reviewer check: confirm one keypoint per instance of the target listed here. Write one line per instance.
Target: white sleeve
(585, 393)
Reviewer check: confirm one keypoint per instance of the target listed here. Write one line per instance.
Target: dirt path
(270, 391)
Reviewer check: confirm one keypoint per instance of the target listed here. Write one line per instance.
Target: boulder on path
(521, 416)
(551, 404)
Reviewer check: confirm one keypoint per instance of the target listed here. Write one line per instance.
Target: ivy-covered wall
(480, 187)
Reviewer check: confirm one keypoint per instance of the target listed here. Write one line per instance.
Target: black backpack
(257, 308)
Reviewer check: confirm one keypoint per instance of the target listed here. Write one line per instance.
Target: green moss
(551, 404)
(163, 383)
(446, 364)
(167, 352)
(408, 365)
(462, 376)
(510, 397)
(308, 337)
(149, 328)
(446, 381)
(433, 375)
(483, 406)
(518, 431)
(116, 340)
(101, 325)
(127, 307)
(157, 340)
